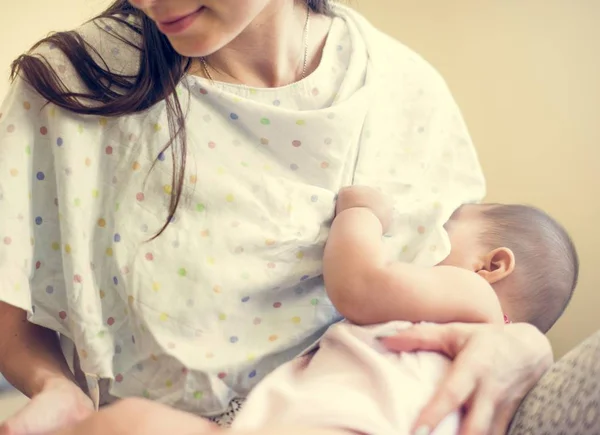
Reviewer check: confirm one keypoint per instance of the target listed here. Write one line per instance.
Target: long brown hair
(111, 94)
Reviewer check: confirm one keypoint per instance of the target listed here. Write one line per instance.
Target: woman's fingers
(447, 339)
(454, 391)
(480, 415)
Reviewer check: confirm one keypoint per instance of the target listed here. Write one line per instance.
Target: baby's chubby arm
(367, 289)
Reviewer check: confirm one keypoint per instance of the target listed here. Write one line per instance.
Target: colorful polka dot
(108, 150)
(169, 383)
(217, 289)
(182, 272)
(38, 264)
(257, 321)
(161, 156)
(149, 256)
(200, 207)
(265, 121)
(40, 176)
(296, 143)
(115, 280)
(234, 116)
(55, 246)
(229, 198)
(252, 374)
(119, 378)
(276, 102)
(109, 252)
(294, 167)
(245, 298)
(222, 316)
(233, 339)
(222, 375)
(155, 286)
(212, 145)
(167, 189)
(101, 223)
(10, 128)
(14, 172)
(26, 105)
(300, 255)
(77, 202)
(68, 248)
(314, 302)
(305, 277)
(62, 315)
(273, 337)
(95, 193)
(314, 92)
(49, 289)
(277, 305)
(110, 321)
(198, 395)
(59, 141)
(39, 220)
(163, 317)
(43, 131)
(314, 198)
(296, 320)
(301, 122)
(421, 229)
(264, 141)
(136, 166)
(117, 237)
(193, 179)
(324, 165)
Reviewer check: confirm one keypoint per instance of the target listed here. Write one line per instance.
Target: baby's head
(527, 257)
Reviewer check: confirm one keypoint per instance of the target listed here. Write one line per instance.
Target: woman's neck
(271, 50)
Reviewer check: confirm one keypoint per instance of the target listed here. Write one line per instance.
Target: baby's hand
(369, 198)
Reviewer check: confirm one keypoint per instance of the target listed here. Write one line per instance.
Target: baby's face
(464, 229)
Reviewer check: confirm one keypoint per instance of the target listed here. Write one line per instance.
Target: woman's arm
(30, 356)
(366, 289)
(31, 359)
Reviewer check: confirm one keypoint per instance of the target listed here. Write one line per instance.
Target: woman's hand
(494, 368)
(60, 404)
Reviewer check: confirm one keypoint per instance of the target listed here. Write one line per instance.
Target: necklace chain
(208, 75)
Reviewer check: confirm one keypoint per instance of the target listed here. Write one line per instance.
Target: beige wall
(526, 74)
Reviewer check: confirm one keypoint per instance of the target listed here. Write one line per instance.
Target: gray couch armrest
(567, 398)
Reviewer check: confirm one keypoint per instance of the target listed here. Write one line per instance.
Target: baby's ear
(497, 265)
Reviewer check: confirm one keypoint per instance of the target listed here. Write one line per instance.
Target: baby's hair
(547, 264)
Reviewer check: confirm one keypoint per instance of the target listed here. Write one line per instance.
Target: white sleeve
(30, 242)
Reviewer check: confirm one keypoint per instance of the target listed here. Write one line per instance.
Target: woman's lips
(178, 25)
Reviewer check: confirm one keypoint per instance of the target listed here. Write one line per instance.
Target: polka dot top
(233, 287)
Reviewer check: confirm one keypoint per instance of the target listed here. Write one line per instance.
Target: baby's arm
(366, 289)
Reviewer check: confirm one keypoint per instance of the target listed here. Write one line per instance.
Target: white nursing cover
(232, 289)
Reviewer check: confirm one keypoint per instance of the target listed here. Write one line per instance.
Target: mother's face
(200, 27)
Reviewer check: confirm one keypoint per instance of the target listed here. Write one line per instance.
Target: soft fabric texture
(233, 288)
(351, 382)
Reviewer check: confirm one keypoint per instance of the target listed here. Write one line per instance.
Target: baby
(507, 262)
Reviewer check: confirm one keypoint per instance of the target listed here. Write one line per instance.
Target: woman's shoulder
(112, 43)
(392, 58)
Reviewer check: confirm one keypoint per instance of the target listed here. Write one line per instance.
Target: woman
(166, 212)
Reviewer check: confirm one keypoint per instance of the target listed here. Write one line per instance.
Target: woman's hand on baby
(366, 197)
(59, 405)
(494, 367)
